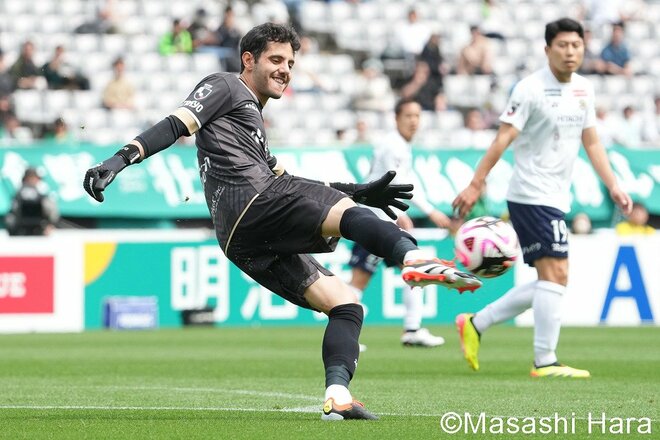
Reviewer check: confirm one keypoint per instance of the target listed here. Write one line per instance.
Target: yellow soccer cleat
(559, 370)
(469, 338)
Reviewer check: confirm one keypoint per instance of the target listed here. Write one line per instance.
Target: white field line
(307, 409)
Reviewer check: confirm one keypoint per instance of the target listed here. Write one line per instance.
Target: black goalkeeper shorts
(282, 225)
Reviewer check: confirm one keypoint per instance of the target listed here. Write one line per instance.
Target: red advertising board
(26, 284)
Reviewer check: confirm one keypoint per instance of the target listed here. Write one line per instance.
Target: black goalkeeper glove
(100, 176)
(378, 193)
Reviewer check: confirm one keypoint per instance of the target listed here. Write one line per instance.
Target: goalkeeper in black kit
(267, 221)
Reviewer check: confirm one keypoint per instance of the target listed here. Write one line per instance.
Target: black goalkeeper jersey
(232, 145)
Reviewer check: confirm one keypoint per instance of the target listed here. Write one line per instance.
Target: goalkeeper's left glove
(378, 193)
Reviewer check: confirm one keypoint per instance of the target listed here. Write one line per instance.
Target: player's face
(271, 73)
(407, 121)
(565, 53)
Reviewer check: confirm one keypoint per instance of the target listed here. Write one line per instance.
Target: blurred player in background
(394, 152)
(266, 220)
(548, 114)
(33, 211)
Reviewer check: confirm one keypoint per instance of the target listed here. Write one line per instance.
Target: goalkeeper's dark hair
(402, 103)
(256, 40)
(562, 25)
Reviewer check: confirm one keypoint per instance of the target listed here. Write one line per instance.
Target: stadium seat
(29, 105)
(23, 24)
(126, 8)
(314, 15)
(95, 119)
(615, 85)
(85, 43)
(70, 7)
(341, 11)
(83, 100)
(342, 119)
(205, 63)
(155, 8)
(114, 44)
(54, 102)
(448, 120)
(177, 63)
(15, 7)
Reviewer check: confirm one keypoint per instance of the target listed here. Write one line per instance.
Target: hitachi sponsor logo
(194, 104)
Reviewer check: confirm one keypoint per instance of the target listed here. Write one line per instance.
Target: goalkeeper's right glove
(101, 175)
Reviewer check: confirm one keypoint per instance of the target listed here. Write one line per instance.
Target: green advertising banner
(192, 275)
(167, 185)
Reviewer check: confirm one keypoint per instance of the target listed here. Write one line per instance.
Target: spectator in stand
(616, 56)
(13, 133)
(476, 57)
(592, 63)
(199, 30)
(422, 87)
(119, 93)
(629, 129)
(6, 80)
(60, 133)
(6, 108)
(224, 41)
(103, 21)
(432, 56)
(412, 35)
(177, 40)
(601, 13)
(474, 133)
(60, 74)
(605, 127)
(581, 224)
(637, 223)
(374, 88)
(24, 72)
(651, 125)
(33, 211)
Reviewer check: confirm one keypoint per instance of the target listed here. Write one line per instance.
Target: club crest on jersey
(513, 108)
(203, 92)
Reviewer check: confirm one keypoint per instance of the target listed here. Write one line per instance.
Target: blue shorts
(541, 230)
(363, 260)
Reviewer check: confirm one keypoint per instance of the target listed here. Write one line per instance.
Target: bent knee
(553, 269)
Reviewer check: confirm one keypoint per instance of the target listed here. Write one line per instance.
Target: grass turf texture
(268, 383)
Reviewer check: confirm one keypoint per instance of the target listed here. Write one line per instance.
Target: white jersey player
(549, 114)
(394, 152)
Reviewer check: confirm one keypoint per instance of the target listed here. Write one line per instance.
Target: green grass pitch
(266, 383)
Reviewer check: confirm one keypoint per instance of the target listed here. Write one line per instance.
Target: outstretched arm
(464, 202)
(148, 143)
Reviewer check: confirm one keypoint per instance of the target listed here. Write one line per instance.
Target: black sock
(340, 343)
(381, 238)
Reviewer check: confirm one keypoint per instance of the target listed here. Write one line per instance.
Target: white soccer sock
(339, 394)
(413, 300)
(509, 305)
(416, 254)
(547, 321)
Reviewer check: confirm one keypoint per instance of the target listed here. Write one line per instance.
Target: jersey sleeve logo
(512, 108)
(203, 92)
